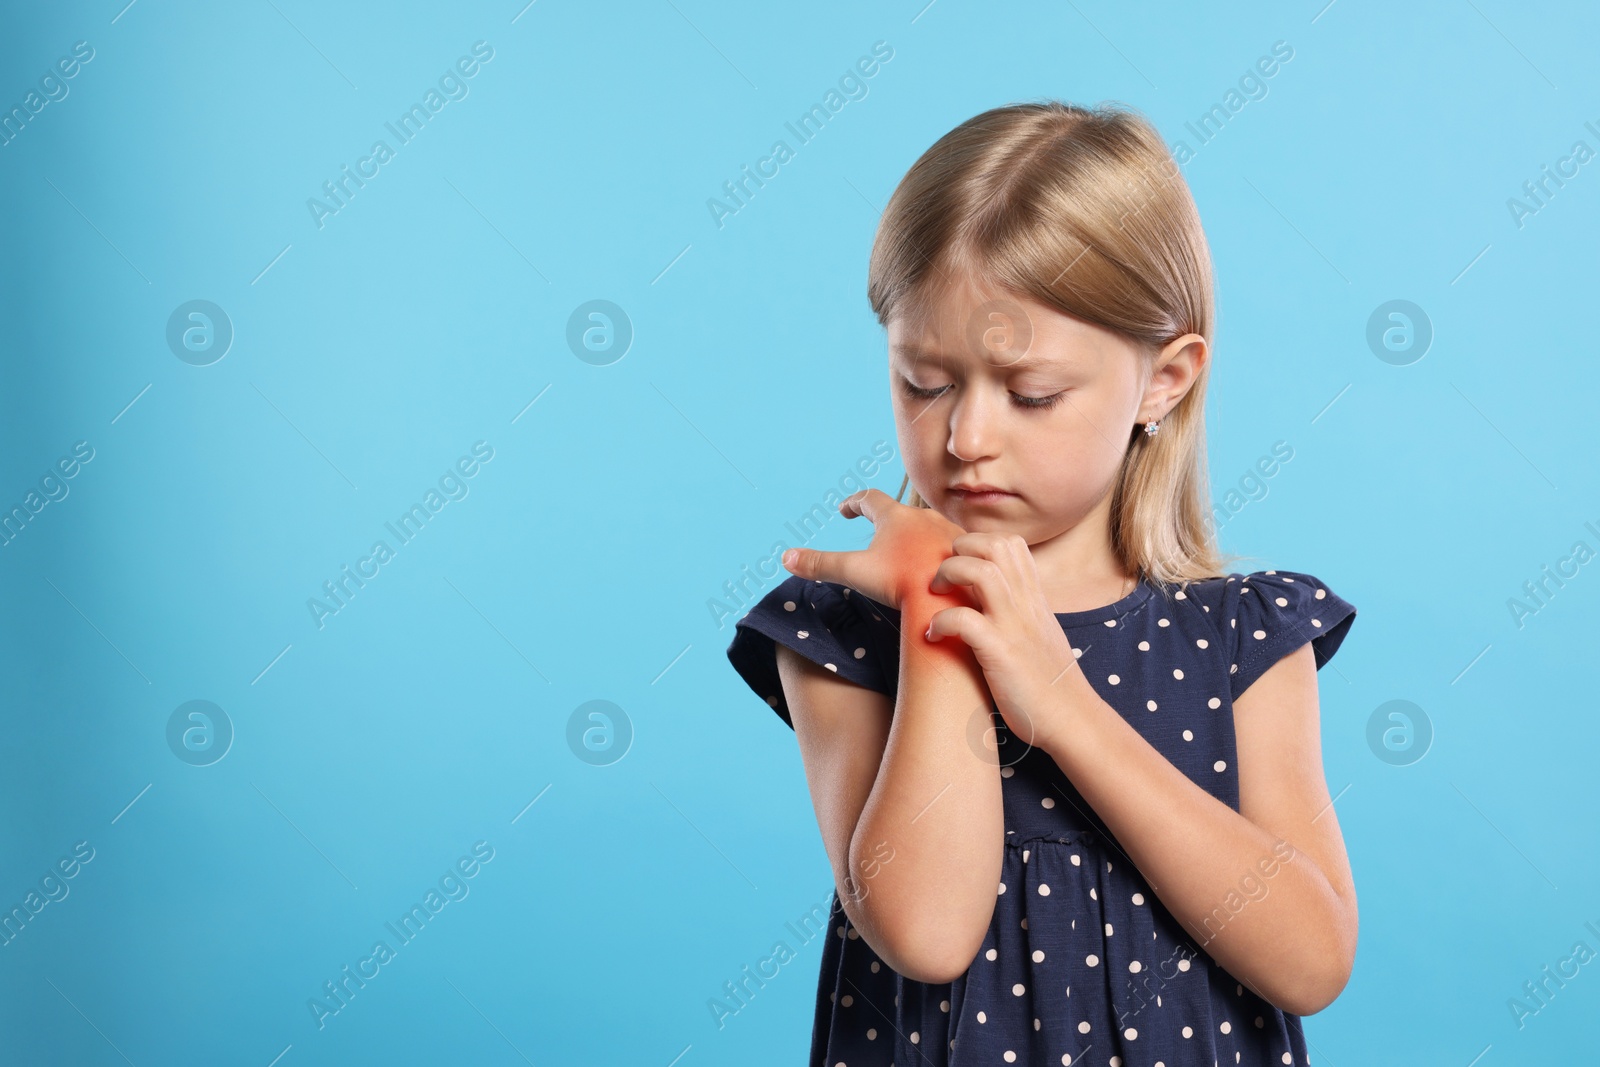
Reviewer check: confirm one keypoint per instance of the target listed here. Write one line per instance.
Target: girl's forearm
(935, 808)
(1202, 858)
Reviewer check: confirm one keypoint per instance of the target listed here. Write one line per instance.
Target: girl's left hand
(1015, 637)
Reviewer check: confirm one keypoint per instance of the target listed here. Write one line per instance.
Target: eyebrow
(913, 350)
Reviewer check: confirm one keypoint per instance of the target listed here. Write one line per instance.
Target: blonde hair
(1085, 211)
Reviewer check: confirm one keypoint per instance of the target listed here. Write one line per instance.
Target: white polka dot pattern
(1082, 962)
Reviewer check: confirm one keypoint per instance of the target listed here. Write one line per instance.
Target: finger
(965, 623)
(983, 578)
(810, 563)
(1008, 552)
(987, 545)
(873, 503)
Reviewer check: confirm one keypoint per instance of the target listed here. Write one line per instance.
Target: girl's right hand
(908, 544)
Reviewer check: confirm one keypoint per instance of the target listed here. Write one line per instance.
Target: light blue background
(426, 715)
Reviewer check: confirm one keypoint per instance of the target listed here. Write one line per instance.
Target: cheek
(920, 438)
(1073, 458)
(923, 451)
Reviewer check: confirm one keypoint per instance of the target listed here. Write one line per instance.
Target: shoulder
(829, 624)
(797, 600)
(1270, 613)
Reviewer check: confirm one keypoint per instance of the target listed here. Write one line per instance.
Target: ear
(1175, 369)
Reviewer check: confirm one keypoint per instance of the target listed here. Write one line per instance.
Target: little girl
(1066, 769)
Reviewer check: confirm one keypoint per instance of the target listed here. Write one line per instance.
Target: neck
(1078, 568)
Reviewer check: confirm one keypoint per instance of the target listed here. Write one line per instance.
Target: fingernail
(789, 558)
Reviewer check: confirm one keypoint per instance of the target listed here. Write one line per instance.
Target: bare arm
(841, 728)
(937, 802)
(908, 803)
(1265, 890)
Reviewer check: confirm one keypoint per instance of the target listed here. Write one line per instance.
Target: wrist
(1074, 703)
(920, 604)
(918, 607)
(915, 562)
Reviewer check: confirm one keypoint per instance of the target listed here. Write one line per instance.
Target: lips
(981, 496)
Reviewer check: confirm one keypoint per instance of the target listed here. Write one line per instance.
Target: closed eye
(1034, 403)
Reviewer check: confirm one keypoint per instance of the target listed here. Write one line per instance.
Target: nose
(974, 430)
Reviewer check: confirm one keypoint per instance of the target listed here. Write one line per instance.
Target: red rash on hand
(914, 564)
(918, 611)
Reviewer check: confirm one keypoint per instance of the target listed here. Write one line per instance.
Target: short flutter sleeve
(1269, 614)
(827, 623)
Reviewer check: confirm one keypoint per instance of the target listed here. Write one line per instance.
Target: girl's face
(997, 389)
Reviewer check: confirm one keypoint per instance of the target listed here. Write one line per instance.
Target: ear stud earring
(1152, 426)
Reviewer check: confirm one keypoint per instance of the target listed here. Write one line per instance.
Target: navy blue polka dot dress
(1082, 964)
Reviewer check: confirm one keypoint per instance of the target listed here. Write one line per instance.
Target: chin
(985, 524)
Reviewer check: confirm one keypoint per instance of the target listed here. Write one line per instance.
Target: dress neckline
(1141, 592)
